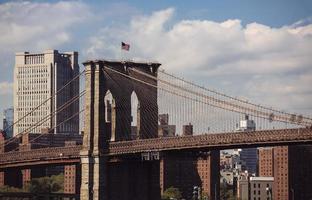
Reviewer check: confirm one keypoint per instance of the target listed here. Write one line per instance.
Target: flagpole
(124, 47)
(121, 54)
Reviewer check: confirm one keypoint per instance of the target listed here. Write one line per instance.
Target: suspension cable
(47, 117)
(268, 115)
(45, 101)
(40, 135)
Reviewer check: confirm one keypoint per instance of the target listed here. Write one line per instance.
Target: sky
(256, 50)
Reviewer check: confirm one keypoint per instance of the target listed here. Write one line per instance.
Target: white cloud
(34, 26)
(276, 61)
(6, 88)
(38, 25)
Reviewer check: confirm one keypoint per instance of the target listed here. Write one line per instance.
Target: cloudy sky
(256, 50)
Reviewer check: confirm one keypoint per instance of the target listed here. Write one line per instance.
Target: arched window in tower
(110, 115)
(135, 116)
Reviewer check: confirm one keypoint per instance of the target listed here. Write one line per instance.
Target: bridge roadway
(70, 154)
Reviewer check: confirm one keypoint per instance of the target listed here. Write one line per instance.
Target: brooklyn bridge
(145, 130)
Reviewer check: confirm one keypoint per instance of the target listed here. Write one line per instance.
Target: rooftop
(261, 178)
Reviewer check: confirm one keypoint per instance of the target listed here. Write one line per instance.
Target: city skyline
(220, 43)
(166, 100)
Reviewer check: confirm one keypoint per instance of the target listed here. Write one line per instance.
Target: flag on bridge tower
(125, 46)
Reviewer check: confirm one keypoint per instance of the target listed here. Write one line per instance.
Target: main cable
(45, 101)
(38, 123)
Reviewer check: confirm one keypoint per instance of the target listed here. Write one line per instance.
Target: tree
(204, 196)
(171, 193)
(46, 184)
(6, 188)
(225, 193)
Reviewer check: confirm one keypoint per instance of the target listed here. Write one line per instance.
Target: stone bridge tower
(103, 77)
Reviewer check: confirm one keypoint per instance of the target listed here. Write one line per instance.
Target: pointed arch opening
(135, 116)
(110, 115)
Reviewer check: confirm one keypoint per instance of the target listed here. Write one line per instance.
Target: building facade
(164, 129)
(38, 82)
(248, 155)
(184, 170)
(255, 188)
(243, 188)
(291, 167)
(281, 168)
(265, 161)
(261, 188)
(8, 117)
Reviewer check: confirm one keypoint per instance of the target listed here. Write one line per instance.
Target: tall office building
(37, 77)
(248, 155)
(8, 115)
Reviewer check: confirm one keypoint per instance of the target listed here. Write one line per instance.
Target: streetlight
(270, 192)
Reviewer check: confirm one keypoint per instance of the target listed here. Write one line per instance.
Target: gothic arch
(135, 115)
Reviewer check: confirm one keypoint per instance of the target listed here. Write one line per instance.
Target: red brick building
(265, 162)
(184, 170)
(292, 170)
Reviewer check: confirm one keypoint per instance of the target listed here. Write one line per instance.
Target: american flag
(125, 46)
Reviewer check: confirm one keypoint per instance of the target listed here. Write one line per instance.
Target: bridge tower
(102, 77)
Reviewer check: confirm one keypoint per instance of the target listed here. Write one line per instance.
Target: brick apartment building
(291, 167)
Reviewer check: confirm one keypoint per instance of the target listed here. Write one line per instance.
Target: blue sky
(259, 50)
(270, 12)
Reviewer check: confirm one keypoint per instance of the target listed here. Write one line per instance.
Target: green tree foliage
(6, 188)
(53, 184)
(46, 184)
(226, 193)
(171, 193)
(204, 196)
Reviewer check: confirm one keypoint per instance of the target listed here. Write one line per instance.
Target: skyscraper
(8, 115)
(38, 77)
(249, 155)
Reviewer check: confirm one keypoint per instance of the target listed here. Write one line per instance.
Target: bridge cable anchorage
(40, 135)
(42, 103)
(227, 105)
(49, 116)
